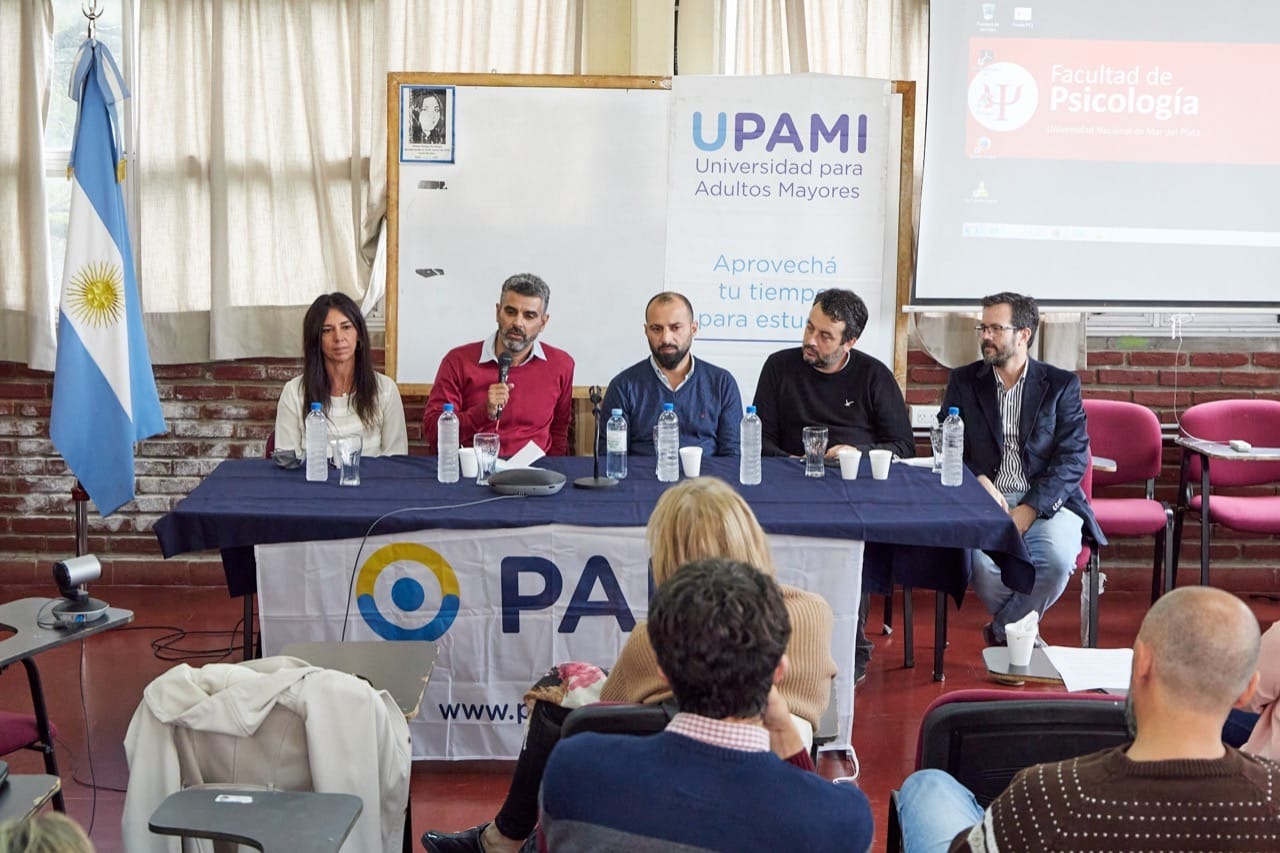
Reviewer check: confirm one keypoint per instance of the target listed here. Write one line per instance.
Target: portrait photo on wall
(426, 124)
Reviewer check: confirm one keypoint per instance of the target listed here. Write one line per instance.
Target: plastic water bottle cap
(954, 410)
(315, 407)
(668, 407)
(617, 413)
(448, 407)
(751, 410)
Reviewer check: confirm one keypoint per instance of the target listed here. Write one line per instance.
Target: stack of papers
(1092, 669)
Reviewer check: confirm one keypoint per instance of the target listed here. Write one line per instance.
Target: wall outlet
(923, 416)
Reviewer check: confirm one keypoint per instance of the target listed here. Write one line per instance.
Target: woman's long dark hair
(315, 379)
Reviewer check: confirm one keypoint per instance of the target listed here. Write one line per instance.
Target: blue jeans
(1054, 544)
(933, 808)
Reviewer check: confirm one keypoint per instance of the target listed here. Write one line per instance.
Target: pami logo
(748, 127)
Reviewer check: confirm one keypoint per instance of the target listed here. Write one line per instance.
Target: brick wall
(226, 410)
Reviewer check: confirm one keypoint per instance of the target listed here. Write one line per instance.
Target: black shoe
(466, 841)
(859, 676)
(989, 636)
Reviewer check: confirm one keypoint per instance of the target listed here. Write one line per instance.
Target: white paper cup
(467, 461)
(880, 461)
(849, 462)
(691, 461)
(1020, 645)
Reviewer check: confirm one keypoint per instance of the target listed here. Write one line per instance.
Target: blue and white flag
(104, 393)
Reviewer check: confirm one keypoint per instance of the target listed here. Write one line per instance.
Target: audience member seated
(337, 372)
(1175, 787)
(694, 520)
(1263, 710)
(48, 832)
(719, 629)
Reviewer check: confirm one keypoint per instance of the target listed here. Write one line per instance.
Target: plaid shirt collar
(746, 737)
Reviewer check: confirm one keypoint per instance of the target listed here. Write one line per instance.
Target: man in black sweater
(826, 382)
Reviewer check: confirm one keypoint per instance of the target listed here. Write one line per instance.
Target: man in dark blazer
(1025, 440)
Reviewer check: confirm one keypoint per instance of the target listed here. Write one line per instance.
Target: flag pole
(81, 499)
(93, 12)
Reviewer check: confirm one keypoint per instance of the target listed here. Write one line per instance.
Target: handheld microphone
(504, 367)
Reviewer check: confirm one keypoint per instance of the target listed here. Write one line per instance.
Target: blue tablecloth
(915, 529)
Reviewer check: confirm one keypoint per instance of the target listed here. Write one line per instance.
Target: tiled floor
(119, 663)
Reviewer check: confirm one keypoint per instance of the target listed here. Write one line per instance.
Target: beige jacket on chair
(276, 722)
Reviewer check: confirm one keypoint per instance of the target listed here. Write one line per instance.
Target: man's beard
(670, 359)
(519, 344)
(996, 356)
(814, 359)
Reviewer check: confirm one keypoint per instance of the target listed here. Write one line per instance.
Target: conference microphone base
(594, 483)
(70, 613)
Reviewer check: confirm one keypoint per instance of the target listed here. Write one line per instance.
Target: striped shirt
(1011, 478)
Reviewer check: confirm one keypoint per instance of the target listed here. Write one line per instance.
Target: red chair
(1254, 421)
(21, 731)
(1129, 434)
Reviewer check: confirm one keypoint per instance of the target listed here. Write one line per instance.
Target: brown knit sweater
(806, 686)
(1106, 802)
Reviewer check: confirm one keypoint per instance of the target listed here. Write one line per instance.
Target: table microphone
(504, 367)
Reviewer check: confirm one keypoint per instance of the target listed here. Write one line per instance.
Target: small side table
(22, 795)
(1040, 669)
(265, 820)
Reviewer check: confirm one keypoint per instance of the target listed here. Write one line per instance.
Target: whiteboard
(564, 177)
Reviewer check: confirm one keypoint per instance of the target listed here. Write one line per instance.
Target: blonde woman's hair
(48, 832)
(702, 518)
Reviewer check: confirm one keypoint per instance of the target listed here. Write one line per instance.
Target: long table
(907, 529)
(913, 526)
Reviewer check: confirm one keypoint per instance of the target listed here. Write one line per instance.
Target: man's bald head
(1204, 646)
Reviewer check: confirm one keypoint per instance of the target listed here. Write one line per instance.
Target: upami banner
(776, 191)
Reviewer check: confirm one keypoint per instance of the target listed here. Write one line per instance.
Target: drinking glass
(935, 442)
(486, 445)
(815, 451)
(345, 451)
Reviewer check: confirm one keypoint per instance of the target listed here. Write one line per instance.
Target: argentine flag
(104, 393)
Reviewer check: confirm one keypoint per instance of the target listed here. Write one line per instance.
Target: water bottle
(668, 444)
(317, 441)
(615, 445)
(952, 448)
(447, 446)
(749, 465)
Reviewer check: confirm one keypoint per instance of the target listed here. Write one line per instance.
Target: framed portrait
(426, 124)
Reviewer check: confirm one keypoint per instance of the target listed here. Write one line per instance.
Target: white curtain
(885, 39)
(866, 38)
(258, 158)
(28, 302)
(249, 169)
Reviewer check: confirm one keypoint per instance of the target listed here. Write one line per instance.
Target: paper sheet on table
(523, 458)
(1092, 669)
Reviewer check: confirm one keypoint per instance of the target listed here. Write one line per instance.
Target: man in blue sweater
(706, 397)
(710, 781)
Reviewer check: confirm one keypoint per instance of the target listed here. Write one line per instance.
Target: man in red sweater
(534, 404)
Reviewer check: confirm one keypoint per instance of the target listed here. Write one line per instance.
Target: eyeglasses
(993, 330)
